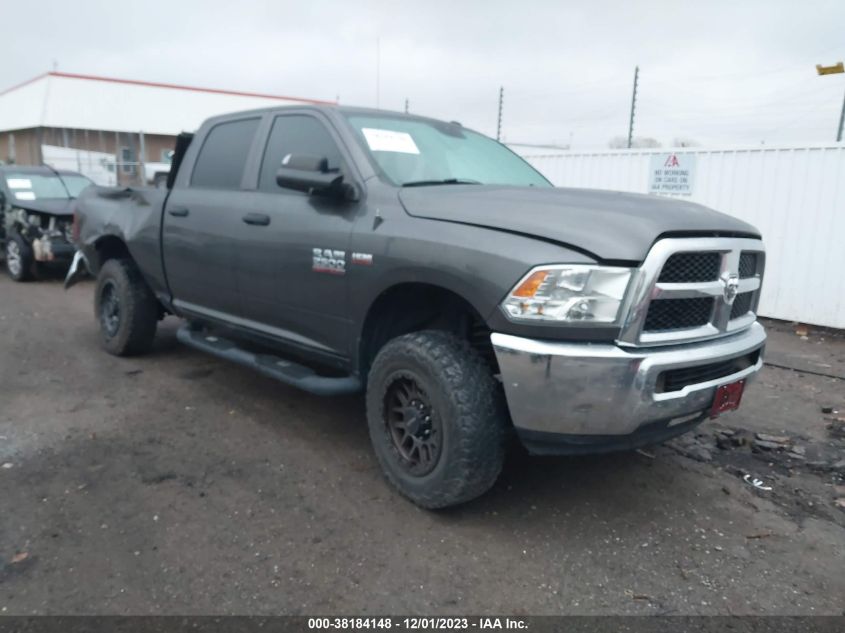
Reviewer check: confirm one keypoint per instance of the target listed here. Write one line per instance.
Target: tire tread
(476, 397)
(139, 305)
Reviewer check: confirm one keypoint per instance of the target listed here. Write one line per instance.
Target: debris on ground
(775, 439)
(756, 482)
(8, 465)
(19, 557)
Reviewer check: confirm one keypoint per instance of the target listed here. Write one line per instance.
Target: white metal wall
(794, 195)
(98, 166)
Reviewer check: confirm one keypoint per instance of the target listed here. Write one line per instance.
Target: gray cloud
(718, 72)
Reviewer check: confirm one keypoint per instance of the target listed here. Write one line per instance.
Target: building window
(127, 160)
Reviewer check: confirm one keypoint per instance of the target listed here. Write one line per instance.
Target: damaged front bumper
(569, 398)
(52, 249)
(78, 269)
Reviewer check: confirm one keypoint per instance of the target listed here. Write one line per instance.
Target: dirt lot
(178, 484)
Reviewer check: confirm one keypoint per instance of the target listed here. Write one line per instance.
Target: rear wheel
(436, 418)
(20, 261)
(126, 309)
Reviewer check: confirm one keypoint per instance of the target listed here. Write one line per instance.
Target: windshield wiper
(444, 181)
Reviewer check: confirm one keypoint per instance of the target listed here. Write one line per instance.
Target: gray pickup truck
(342, 250)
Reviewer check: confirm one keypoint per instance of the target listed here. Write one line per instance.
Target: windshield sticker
(19, 183)
(390, 141)
(25, 195)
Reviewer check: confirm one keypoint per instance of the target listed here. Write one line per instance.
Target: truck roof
(327, 108)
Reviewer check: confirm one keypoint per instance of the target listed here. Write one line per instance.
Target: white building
(91, 124)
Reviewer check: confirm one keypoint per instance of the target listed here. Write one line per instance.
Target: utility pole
(841, 122)
(499, 123)
(835, 70)
(406, 105)
(633, 106)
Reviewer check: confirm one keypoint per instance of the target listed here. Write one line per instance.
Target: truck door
(291, 260)
(203, 216)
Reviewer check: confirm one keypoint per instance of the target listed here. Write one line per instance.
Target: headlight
(569, 293)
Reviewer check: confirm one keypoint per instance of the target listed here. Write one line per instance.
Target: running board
(273, 366)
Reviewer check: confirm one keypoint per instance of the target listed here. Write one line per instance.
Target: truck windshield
(28, 186)
(420, 152)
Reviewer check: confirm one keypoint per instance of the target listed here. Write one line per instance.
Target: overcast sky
(717, 72)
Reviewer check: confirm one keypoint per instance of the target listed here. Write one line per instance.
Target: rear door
(202, 218)
(291, 269)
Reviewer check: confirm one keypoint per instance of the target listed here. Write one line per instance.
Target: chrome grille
(742, 305)
(747, 265)
(691, 289)
(690, 268)
(676, 314)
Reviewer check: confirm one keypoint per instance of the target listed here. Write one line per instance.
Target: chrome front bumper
(601, 391)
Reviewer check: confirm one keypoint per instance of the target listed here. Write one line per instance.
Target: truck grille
(742, 305)
(695, 288)
(674, 314)
(677, 379)
(747, 265)
(690, 268)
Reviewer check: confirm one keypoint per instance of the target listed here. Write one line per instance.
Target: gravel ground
(178, 484)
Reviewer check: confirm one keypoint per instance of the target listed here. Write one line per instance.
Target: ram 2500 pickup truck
(344, 250)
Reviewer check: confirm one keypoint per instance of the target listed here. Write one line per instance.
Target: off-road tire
(138, 309)
(470, 405)
(25, 271)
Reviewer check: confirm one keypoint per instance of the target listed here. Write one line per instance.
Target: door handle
(178, 212)
(257, 219)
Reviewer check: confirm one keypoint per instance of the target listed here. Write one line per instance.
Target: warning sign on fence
(672, 174)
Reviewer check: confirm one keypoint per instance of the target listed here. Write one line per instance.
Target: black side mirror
(311, 175)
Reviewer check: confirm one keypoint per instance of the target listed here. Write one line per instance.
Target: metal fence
(794, 195)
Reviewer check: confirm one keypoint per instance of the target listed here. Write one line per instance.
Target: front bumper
(578, 398)
(52, 249)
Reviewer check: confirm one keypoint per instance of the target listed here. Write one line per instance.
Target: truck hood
(50, 206)
(606, 224)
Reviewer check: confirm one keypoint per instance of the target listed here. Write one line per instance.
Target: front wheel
(126, 309)
(20, 261)
(437, 419)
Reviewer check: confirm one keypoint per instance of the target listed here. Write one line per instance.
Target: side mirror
(311, 175)
(2, 200)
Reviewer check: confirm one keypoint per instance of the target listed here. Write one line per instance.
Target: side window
(296, 134)
(221, 161)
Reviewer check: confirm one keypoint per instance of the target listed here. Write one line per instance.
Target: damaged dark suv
(36, 205)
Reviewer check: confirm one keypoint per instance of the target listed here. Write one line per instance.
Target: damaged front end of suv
(37, 205)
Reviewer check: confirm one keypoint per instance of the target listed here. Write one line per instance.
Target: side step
(272, 366)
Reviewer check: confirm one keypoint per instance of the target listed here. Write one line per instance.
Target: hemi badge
(362, 259)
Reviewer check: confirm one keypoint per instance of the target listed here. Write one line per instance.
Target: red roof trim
(154, 84)
(23, 83)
